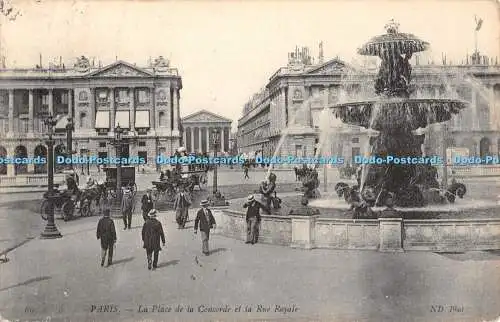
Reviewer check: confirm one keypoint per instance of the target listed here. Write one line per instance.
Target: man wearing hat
(127, 208)
(206, 220)
(107, 234)
(152, 233)
(252, 219)
(147, 204)
(181, 206)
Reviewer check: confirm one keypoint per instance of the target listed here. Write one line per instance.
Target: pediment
(330, 67)
(121, 69)
(204, 117)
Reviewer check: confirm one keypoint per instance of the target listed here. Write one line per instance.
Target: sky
(227, 50)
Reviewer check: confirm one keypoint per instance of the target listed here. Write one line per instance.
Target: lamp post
(50, 231)
(217, 199)
(69, 140)
(118, 144)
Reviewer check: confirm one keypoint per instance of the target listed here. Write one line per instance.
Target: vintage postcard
(249, 160)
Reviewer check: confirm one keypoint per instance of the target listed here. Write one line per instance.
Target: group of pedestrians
(153, 236)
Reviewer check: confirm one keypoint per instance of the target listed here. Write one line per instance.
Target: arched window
(484, 147)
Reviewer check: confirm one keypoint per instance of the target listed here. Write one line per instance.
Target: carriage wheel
(170, 194)
(44, 209)
(203, 181)
(68, 208)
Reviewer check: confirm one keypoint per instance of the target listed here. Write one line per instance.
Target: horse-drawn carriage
(166, 188)
(84, 202)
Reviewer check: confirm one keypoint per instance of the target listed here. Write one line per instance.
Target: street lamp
(118, 144)
(217, 199)
(50, 231)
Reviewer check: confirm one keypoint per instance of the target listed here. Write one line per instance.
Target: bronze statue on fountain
(396, 116)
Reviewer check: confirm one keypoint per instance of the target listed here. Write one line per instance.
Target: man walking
(252, 219)
(181, 206)
(127, 208)
(206, 220)
(147, 204)
(152, 233)
(107, 234)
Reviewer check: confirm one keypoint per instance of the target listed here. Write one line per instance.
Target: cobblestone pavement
(62, 279)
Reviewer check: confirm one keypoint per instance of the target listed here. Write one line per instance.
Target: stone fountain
(396, 116)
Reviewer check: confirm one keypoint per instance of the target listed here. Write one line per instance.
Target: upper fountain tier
(395, 111)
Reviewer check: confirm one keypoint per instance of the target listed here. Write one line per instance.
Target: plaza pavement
(62, 279)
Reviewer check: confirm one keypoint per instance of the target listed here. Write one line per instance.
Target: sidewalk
(63, 279)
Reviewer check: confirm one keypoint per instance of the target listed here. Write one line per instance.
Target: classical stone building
(198, 131)
(294, 101)
(144, 101)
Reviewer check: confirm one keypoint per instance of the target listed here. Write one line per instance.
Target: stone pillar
(175, 114)
(191, 129)
(70, 103)
(200, 144)
(153, 119)
(391, 234)
(494, 114)
(11, 113)
(112, 110)
(51, 100)
(184, 138)
(31, 115)
(132, 108)
(303, 231)
(207, 135)
(284, 107)
(222, 138)
(92, 109)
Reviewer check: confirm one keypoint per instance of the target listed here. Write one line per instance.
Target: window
(23, 125)
(355, 152)
(355, 140)
(102, 96)
(45, 99)
(142, 143)
(143, 96)
(144, 155)
(122, 96)
(102, 144)
(161, 119)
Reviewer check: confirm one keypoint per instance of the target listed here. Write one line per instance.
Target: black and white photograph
(281, 160)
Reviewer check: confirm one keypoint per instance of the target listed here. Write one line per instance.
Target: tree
(7, 10)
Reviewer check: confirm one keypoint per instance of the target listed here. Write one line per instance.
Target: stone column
(51, 100)
(112, 110)
(184, 138)
(391, 234)
(31, 116)
(283, 108)
(494, 115)
(132, 108)
(153, 119)
(222, 139)
(70, 103)
(175, 115)
(200, 145)
(11, 112)
(207, 135)
(92, 110)
(191, 129)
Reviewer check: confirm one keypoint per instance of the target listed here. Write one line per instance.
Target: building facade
(198, 131)
(144, 102)
(291, 113)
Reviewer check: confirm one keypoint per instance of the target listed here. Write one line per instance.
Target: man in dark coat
(152, 232)
(206, 221)
(252, 219)
(147, 204)
(107, 234)
(181, 206)
(127, 207)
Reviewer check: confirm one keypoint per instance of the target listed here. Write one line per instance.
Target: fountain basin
(392, 114)
(459, 227)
